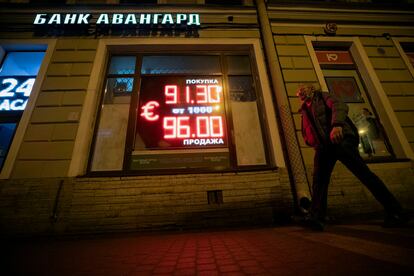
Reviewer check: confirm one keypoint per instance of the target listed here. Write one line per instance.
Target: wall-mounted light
(387, 36)
(330, 28)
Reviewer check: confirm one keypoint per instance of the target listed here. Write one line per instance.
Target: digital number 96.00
(179, 127)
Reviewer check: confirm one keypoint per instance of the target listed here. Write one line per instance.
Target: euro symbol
(148, 111)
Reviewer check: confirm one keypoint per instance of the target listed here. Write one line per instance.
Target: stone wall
(83, 205)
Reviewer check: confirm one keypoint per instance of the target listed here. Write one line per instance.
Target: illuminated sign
(14, 92)
(180, 112)
(334, 57)
(117, 19)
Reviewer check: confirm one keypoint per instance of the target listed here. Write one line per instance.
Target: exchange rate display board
(180, 113)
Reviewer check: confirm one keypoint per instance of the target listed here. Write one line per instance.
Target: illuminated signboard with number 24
(180, 113)
(14, 93)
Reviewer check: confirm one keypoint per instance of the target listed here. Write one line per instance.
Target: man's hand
(336, 135)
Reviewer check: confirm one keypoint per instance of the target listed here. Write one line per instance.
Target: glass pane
(241, 89)
(371, 137)
(120, 85)
(110, 138)
(238, 65)
(347, 85)
(21, 64)
(6, 135)
(247, 133)
(122, 65)
(180, 65)
(246, 122)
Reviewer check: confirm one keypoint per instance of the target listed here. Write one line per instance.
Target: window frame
(14, 116)
(397, 42)
(27, 45)
(131, 131)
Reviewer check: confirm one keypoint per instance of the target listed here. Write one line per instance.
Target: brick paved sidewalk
(360, 249)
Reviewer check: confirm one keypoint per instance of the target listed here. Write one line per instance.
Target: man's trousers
(347, 153)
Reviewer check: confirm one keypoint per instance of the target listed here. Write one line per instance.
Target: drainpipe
(293, 158)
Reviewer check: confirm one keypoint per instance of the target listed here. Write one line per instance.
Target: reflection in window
(246, 120)
(350, 89)
(369, 132)
(21, 64)
(122, 65)
(241, 89)
(238, 65)
(120, 85)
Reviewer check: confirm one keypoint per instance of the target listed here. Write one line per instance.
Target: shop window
(17, 76)
(409, 51)
(181, 112)
(342, 79)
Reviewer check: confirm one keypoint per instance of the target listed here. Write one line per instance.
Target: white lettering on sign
(7, 105)
(155, 18)
(118, 19)
(202, 81)
(56, 18)
(203, 142)
(145, 19)
(70, 19)
(103, 19)
(14, 93)
(181, 18)
(83, 18)
(194, 19)
(332, 57)
(39, 19)
(167, 19)
(11, 83)
(130, 19)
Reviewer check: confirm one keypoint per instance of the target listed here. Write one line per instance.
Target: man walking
(327, 128)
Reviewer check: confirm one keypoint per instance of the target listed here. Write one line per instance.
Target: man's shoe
(396, 220)
(314, 223)
(309, 221)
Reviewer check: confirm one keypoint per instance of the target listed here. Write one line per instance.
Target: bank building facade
(133, 115)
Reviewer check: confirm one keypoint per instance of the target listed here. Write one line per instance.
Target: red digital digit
(201, 94)
(187, 94)
(214, 92)
(202, 124)
(183, 127)
(216, 126)
(170, 127)
(171, 94)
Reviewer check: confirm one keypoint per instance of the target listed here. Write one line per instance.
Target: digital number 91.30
(201, 94)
